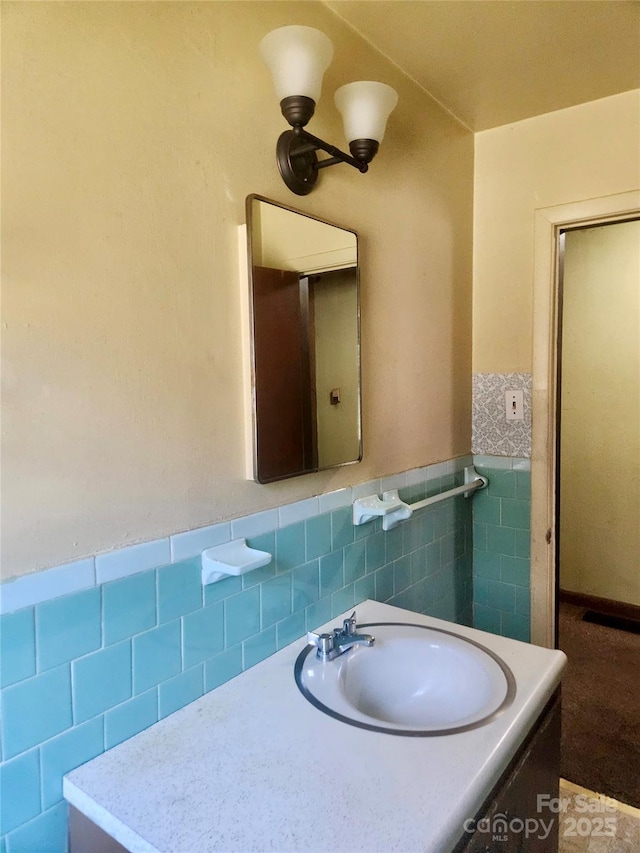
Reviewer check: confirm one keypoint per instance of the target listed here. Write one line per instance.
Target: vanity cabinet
(509, 821)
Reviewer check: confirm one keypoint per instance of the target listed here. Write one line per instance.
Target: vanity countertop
(253, 766)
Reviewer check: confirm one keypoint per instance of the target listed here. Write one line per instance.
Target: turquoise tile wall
(85, 671)
(501, 549)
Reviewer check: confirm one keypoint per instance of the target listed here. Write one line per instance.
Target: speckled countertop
(253, 766)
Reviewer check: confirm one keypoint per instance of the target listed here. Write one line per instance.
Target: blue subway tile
(384, 583)
(363, 531)
(222, 667)
(290, 629)
(17, 646)
(516, 513)
(515, 570)
(290, 547)
(133, 716)
(124, 562)
(318, 536)
(523, 601)
(128, 606)
(401, 574)
(375, 551)
(515, 626)
(20, 786)
(481, 591)
(501, 540)
(180, 691)
(427, 527)
(523, 543)
(502, 596)
(318, 613)
(486, 565)
(342, 531)
(66, 752)
(331, 572)
(156, 656)
(502, 484)
(486, 619)
(412, 535)
(365, 588)
(258, 576)
(67, 627)
(202, 634)
(342, 600)
(306, 585)
(46, 833)
(447, 548)
(413, 493)
(433, 557)
(242, 616)
(486, 509)
(35, 710)
(418, 564)
(264, 542)
(276, 600)
(258, 647)
(523, 485)
(101, 680)
(432, 487)
(394, 544)
(220, 590)
(179, 589)
(354, 561)
(480, 536)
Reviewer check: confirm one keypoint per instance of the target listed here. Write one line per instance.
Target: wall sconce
(298, 57)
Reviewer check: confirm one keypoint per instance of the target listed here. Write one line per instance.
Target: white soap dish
(232, 558)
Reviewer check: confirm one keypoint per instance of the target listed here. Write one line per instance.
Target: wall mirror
(305, 328)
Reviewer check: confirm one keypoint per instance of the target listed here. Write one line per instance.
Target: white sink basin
(413, 681)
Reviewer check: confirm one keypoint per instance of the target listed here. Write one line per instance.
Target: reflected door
(284, 405)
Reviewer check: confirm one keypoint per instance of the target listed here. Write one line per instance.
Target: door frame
(549, 222)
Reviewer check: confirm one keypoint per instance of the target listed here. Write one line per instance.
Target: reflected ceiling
(492, 62)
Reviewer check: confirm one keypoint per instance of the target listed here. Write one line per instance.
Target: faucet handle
(349, 625)
(322, 642)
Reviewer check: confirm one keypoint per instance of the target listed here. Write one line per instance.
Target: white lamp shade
(365, 107)
(297, 58)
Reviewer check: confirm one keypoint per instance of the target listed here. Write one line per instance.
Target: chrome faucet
(340, 640)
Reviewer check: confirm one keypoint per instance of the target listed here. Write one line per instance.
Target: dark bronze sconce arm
(296, 149)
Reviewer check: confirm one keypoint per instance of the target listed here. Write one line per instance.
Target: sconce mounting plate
(298, 168)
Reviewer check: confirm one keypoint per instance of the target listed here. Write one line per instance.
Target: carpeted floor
(600, 707)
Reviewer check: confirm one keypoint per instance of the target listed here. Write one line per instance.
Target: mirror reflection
(305, 347)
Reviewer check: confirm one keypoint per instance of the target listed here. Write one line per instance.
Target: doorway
(598, 504)
(598, 427)
(549, 223)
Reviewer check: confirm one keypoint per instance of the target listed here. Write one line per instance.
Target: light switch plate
(514, 405)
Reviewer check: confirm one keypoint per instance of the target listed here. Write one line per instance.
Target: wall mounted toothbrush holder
(393, 510)
(232, 558)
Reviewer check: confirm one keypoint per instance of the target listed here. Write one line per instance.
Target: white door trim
(548, 223)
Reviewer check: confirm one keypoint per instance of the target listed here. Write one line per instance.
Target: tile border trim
(47, 584)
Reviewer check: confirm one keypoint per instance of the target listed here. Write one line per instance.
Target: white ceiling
(492, 62)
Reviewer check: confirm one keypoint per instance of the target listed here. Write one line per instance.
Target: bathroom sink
(414, 681)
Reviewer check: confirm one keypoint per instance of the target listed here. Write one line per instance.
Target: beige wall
(131, 135)
(584, 152)
(600, 435)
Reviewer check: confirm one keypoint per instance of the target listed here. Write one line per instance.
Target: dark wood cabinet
(510, 820)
